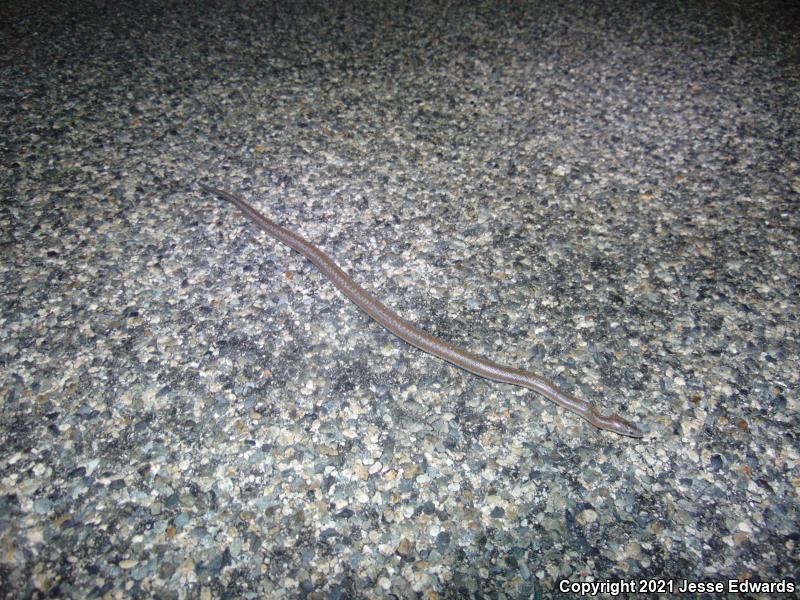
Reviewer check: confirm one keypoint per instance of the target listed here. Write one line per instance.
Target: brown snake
(424, 341)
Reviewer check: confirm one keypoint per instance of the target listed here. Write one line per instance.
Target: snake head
(622, 426)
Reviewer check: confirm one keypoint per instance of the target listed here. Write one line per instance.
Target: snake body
(473, 363)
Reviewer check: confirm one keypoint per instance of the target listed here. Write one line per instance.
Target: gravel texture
(604, 193)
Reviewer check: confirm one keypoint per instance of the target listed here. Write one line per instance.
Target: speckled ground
(604, 193)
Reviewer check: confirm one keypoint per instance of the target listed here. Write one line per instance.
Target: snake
(410, 333)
